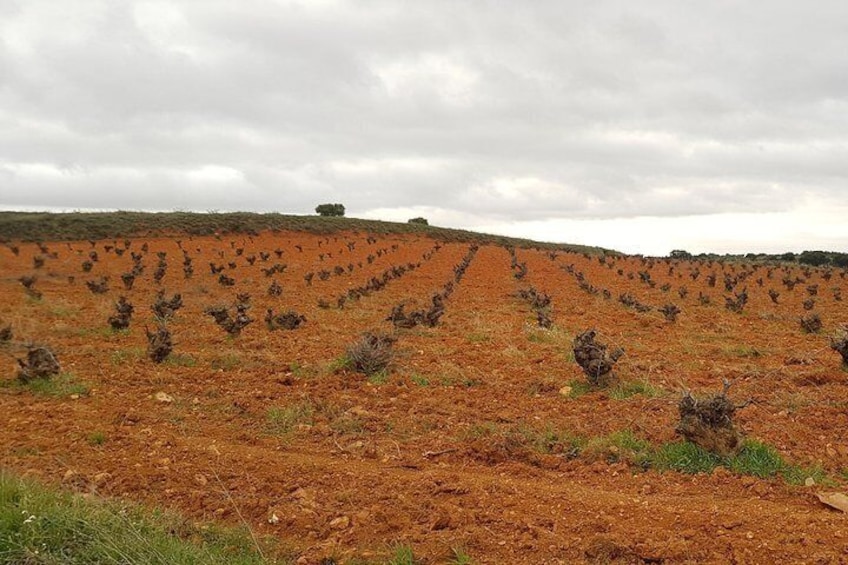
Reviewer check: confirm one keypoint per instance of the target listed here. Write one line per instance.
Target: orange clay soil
(265, 427)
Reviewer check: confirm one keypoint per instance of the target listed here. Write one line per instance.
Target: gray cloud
(490, 112)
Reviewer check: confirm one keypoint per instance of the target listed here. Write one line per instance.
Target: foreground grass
(45, 526)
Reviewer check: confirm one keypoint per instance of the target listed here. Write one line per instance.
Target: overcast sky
(641, 126)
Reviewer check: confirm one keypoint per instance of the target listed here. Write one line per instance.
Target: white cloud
(546, 119)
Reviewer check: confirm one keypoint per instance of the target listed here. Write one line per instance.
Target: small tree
(419, 220)
(328, 210)
(680, 254)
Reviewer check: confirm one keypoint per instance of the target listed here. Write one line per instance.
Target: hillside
(78, 226)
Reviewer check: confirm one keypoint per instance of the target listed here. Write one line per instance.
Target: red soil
(425, 458)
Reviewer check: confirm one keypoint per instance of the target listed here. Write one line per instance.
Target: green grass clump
(123, 356)
(685, 457)
(45, 526)
(225, 362)
(62, 385)
(96, 438)
(419, 380)
(555, 441)
(579, 388)
(402, 555)
(622, 445)
(379, 378)
(338, 364)
(460, 557)
(283, 420)
(757, 459)
(180, 360)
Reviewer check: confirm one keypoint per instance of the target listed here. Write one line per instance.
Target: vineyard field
(481, 437)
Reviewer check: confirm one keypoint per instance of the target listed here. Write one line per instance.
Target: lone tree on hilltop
(336, 210)
(419, 220)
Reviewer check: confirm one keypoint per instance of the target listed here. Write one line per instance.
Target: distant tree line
(812, 258)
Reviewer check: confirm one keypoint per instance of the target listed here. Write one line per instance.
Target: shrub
(593, 358)
(99, 286)
(371, 353)
(708, 422)
(159, 344)
(738, 302)
(330, 210)
(670, 312)
(811, 323)
(165, 308)
(419, 220)
(840, 345)
(40, 363)
(290, 320)
(231, 324)
(123, 314)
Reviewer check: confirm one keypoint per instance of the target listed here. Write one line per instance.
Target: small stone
(163, 397)
(273, 518)
(565, 391)
(809, 482)
(200, 479)
(75, 397)
(340, 523)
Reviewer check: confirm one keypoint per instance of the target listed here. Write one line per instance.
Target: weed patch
(41, 525)
(282, 421)
(60, 386)
(96, 438)
(123, 356)
(180, 360)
